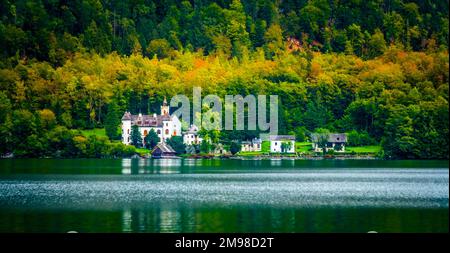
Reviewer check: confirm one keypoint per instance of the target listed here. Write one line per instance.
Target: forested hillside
(53, 30)
(377, 69)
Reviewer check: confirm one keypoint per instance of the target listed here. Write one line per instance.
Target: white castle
(164, 125)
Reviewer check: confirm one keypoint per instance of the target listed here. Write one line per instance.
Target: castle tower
(165, 108)
(126, 128)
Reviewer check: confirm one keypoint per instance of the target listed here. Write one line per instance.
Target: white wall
(317, 149)
(275, 146)
(251, 147)
(173, 127)
(143, 129)
(190, 139)
(126, 131)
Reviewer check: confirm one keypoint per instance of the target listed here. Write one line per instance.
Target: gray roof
(336, 138)
(164, 147)
(253, 141)
(144, 120)
(126, 116)
(193, 129)
(282, 138)
(256, 141)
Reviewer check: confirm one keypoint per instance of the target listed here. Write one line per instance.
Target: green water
(143, 195)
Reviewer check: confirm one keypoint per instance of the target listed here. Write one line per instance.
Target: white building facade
(251, 146)
(276, 143)
(334, 141)
(164, 125)
(191, 137)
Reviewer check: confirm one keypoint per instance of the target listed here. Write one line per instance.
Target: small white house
(335, 142)
(282, 143)
(191, 137)
(251, 146)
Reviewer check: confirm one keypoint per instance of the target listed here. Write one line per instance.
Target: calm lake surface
(184, 195)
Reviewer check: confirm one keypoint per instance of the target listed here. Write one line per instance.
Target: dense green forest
(375, 69)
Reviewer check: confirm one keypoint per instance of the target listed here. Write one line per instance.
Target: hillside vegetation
(376, 69)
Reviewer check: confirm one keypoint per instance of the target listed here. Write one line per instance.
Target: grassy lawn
(364, 149)
(265, 146)
(95, 131)
(247, 153)
(306, 146)
(142, 151)
(283, 154)
(303, 147)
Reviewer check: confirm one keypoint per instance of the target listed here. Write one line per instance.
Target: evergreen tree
(136, 138)
(235, 147)
(112, 122)
(205, 147)
(377, 44)
(152, 139)
(176, 142)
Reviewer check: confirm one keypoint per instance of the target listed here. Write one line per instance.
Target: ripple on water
(333, 188)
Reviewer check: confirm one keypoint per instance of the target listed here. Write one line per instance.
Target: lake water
(187, 195)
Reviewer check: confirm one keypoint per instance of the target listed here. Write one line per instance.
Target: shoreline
(367, 157)
(274, 158)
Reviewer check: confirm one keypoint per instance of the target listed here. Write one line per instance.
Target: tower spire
(165, 107)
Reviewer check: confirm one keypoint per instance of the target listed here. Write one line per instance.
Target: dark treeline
(377, 70)
(53, 30)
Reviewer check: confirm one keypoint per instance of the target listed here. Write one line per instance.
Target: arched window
(158, 132)
(128, 131)
(167, 131)
(145, 132)
(175, 132)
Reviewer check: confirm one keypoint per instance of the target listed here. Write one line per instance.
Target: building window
(159, 131)
(276, 143)
(145, 132)
(128, 139)
(128, 131)
(167, 131)
(174, 132)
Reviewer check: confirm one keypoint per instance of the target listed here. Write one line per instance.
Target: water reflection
(188, 166)
(126, 166)
(192, 162)
(150, 166)
(222, 196)
(190, 219)
(275, 162)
